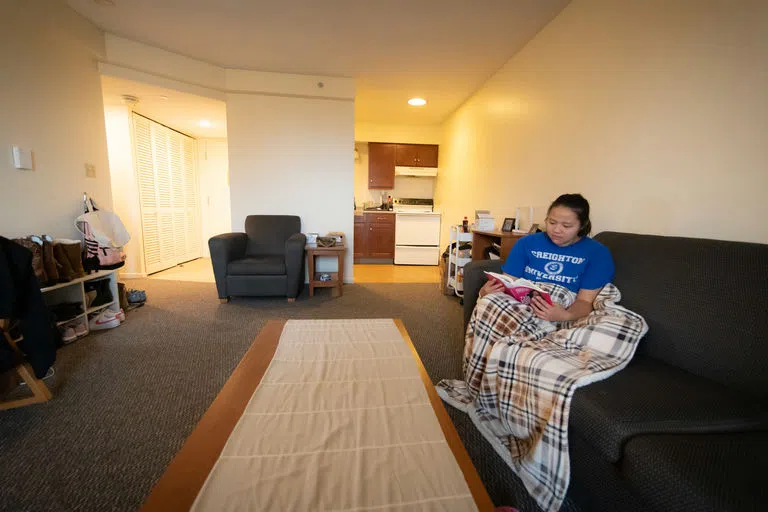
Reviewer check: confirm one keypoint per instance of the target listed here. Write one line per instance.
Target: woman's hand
(492, 286)
(551, 312)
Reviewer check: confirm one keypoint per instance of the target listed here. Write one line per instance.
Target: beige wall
(50, 99)
(405, 134)
(656, 111)
(293, 156)
(214, 189)
(125, 186)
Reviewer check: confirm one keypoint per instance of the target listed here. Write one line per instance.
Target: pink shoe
(68, 335)
(120, 315)
(80, 329)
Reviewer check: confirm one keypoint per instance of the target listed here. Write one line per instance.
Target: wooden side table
(337, 278)
(481, 240)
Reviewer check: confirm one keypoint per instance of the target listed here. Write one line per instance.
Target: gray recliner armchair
(266, 260)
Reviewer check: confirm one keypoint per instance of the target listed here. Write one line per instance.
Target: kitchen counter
(360, 212)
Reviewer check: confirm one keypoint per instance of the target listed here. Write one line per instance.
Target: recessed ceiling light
(417, 102)
(205, 123)
(163, 97)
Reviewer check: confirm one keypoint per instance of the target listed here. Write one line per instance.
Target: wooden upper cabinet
(416, 155)
(427, 155)
(407, 155)
(381, 165)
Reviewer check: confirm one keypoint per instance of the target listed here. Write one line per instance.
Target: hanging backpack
(104, 235)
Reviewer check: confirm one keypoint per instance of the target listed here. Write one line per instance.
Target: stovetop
(412, 201)
(412, 205)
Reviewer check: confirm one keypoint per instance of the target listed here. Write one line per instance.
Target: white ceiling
(442, 50)
(178, 110)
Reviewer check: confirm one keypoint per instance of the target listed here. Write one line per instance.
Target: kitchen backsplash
(405, 186)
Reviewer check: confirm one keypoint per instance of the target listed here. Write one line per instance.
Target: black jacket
(21, 299)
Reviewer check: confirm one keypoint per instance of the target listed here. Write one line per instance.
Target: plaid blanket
(521, 372)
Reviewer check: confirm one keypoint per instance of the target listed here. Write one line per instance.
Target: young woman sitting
(563, 255)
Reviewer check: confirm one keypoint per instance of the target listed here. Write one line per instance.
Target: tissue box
(484, 220)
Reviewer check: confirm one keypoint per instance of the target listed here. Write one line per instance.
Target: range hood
(424, 172)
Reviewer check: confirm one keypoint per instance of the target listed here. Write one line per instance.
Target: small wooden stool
(337, 278)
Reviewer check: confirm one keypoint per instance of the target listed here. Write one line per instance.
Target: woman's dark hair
(580, 207)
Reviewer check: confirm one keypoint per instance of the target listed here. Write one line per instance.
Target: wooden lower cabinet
(361, 238)
(375, 236)
(381, 240)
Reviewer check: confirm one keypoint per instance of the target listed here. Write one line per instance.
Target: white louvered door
(170, 210)
(145, 173)
(192, 213)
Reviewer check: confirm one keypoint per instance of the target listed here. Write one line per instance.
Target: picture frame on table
(534, 228)
(508, 225)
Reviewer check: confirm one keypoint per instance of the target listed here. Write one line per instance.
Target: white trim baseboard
(132, 275)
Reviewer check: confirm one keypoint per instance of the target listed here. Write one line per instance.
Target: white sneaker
(104, 320)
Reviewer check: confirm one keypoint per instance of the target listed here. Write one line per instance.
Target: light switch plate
(90, 171)
(22, 158)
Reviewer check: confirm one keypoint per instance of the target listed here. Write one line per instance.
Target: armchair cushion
(267, 234)
(257, 265)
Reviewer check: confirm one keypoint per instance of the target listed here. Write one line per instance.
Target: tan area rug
(344, 418)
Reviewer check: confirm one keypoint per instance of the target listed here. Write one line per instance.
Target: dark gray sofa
(266, 260)
(685, 425)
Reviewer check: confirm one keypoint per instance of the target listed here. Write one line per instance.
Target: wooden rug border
(476, 487)
(187, 472)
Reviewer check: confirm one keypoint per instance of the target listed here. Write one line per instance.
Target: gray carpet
(126, 399)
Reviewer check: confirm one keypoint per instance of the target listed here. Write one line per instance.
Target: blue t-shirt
(586, 264)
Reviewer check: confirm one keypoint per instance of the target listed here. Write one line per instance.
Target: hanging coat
(21, 299)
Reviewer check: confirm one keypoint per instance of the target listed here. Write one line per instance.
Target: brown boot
(65, 267)
(49, 261)
(72, 251)
(37, 259)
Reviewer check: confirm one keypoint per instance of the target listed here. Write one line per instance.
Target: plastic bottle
(465, 225)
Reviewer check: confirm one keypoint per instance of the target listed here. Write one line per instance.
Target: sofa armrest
(225, 248)
(474, 279)
(294, 263)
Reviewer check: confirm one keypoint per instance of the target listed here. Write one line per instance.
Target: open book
(521, 289)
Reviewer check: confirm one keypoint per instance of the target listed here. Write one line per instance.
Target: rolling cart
(457, 259)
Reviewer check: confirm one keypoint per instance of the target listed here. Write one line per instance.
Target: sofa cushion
(701, 472)
(649, 396)
(257, 266)
(704, 301)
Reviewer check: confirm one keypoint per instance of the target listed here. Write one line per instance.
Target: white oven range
(417, 232)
